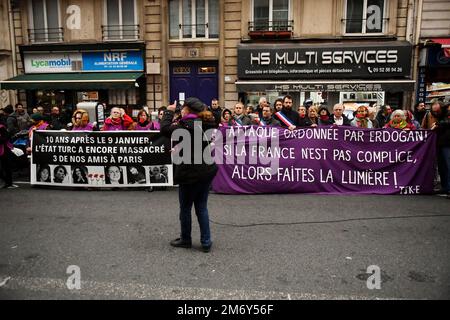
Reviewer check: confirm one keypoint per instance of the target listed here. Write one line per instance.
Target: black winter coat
(189, 172)
(443, 132)
(217, 113)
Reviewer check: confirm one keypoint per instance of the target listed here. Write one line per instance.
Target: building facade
(69, 52)
(152, 52)
(7, 68)
(432, 43)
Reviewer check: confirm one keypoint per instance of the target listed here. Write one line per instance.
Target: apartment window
(271, 15)
(121, 20)
(365, 17)
(192, 19)
(45, 24)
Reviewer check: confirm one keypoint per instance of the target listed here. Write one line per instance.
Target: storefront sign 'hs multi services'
(325, 57)
(324, 61)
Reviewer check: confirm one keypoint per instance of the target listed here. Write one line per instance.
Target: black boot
(181, 243)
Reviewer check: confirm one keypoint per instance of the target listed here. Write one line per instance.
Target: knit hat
(37, 117)
(307, 103)
(226, 111)
(194, 104)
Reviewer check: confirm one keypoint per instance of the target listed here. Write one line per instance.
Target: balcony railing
(271, 29)
(120, 32)
(46, 35)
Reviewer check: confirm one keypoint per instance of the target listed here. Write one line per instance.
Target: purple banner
(331, 160)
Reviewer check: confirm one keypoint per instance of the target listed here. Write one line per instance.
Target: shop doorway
(194, 79)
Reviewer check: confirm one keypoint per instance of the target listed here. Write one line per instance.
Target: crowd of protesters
(194, 179)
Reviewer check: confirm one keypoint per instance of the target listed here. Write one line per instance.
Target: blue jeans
(195, 194)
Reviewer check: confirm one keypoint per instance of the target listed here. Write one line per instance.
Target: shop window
(49, 98)
(270, 18)
(45, 24)
(194, 19)
(121, 20)
(366, 17)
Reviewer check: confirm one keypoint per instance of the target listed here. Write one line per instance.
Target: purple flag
(329, 159)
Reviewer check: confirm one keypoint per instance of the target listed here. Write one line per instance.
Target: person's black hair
(141, 174)
(287, 97)
(56, 169)
(275, 102)
(417, 104)
(307, 103)
(8, 109)
(83, 171)
(384, 107)
(323, 108)
(143, 111)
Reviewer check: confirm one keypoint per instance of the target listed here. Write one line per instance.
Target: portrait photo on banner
(43, 173)
(159, 174)
(60, 174)
(136, 174)
(79, 174)
(114, 175)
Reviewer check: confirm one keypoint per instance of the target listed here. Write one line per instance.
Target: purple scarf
(189, 116)
(156, 125)
(147, 127)
(88, 127)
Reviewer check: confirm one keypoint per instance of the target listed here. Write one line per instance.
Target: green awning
(73, 81)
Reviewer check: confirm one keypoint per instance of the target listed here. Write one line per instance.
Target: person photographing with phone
(195, 173)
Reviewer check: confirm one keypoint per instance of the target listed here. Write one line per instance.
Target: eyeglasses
(77, 118)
